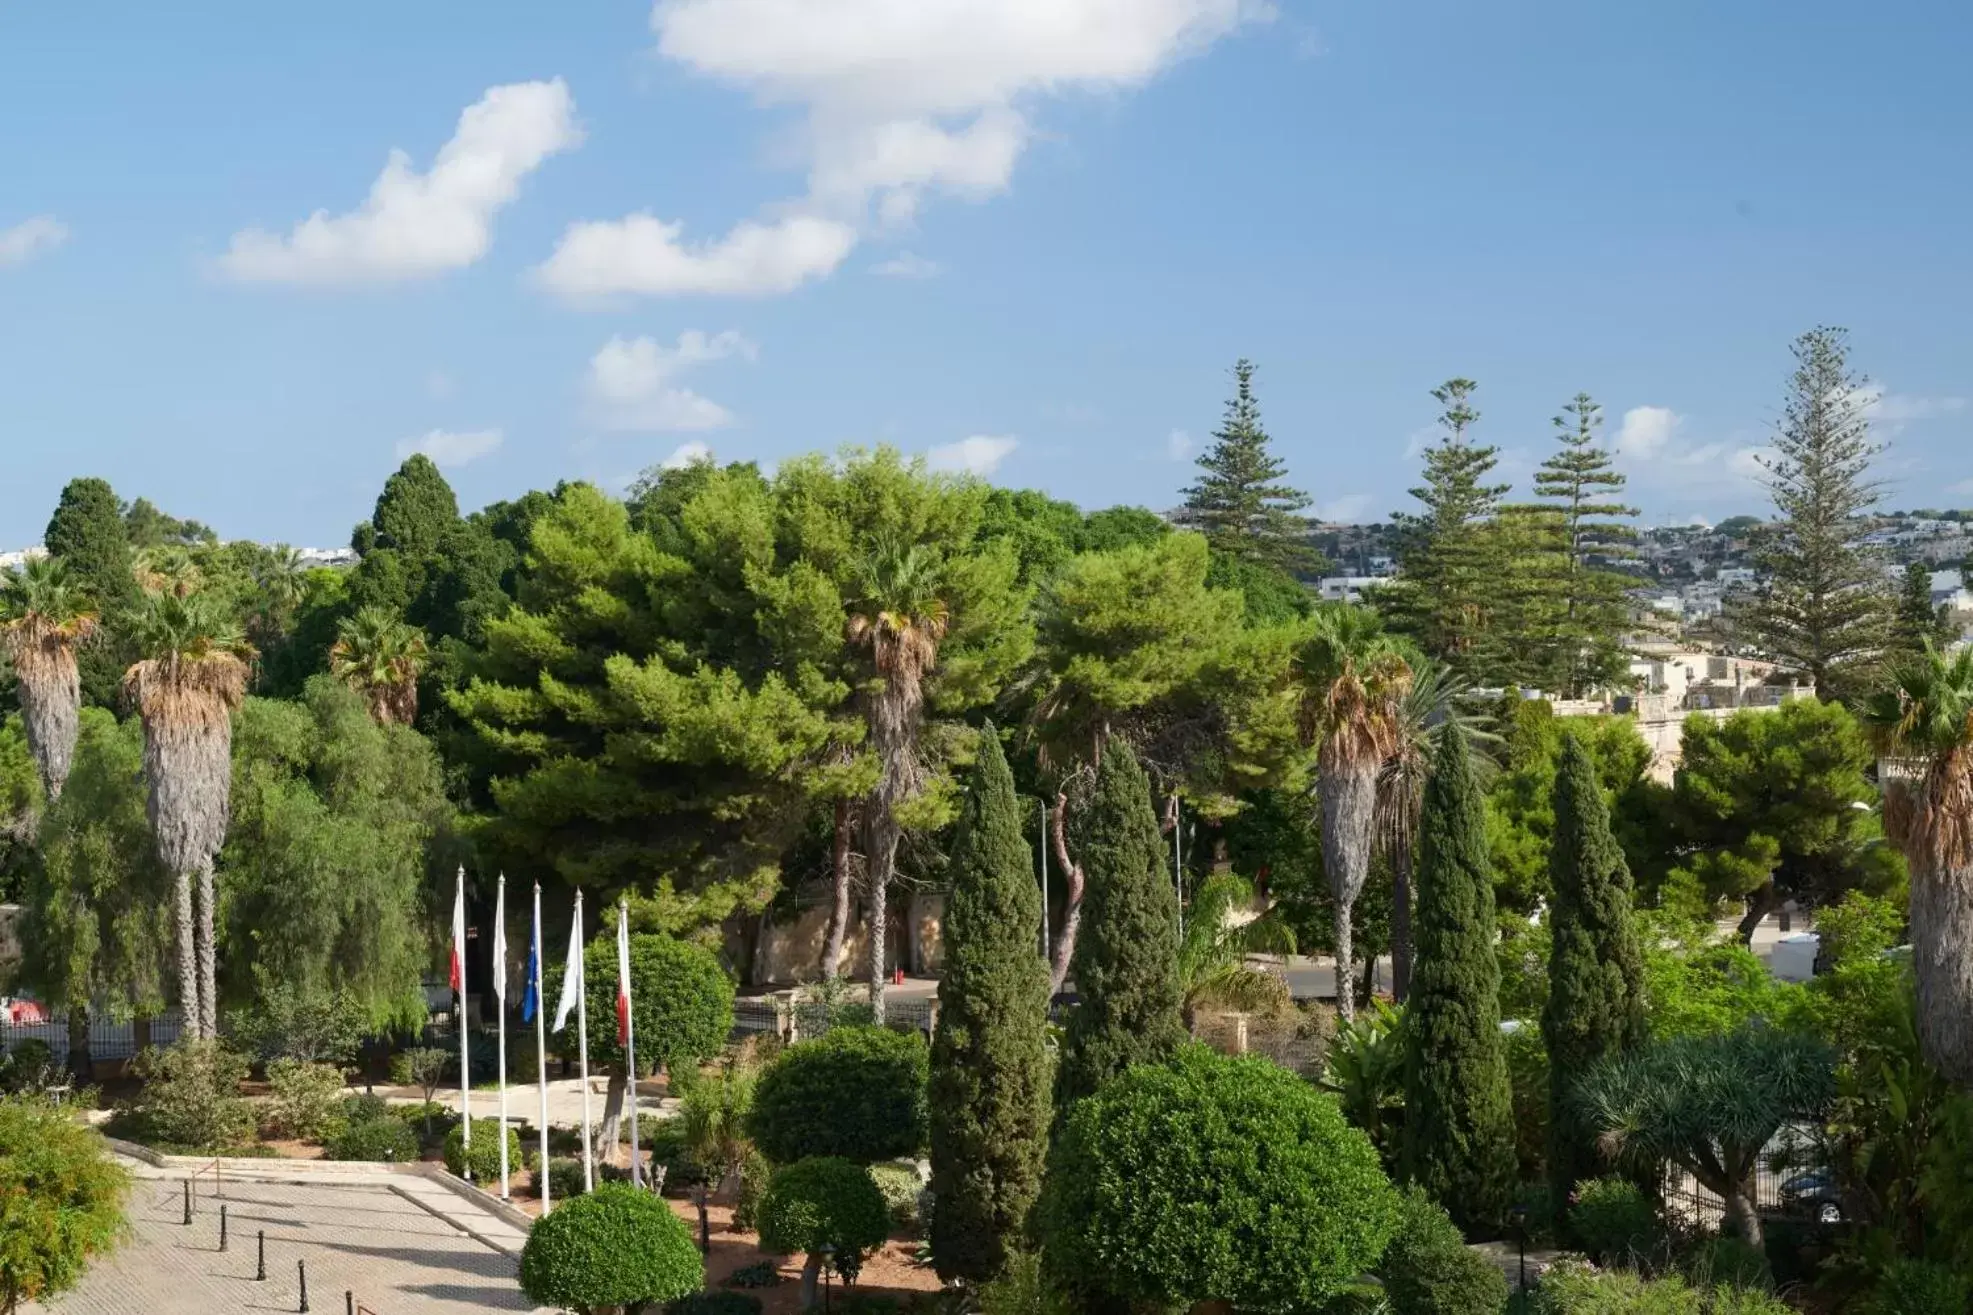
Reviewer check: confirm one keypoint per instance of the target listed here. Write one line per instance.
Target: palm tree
(1435, 699)
(1354, 678)
(1213, 967)
(281, 580)
(381, 658)
(167, 569)
(43, 619)
(902, 615)
(191, 677)
(1923, 727)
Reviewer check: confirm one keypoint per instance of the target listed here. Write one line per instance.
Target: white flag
(571, 975)
(500, 944)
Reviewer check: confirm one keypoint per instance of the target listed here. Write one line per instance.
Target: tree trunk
(1065, 939)
(1942, 959)
(1349, 819)
(611, 1128)
(839, 875)
(1760, 902)
(188, 959)
(1401, 919)
(880, 919)
(811, 1274)
(1742, 1216)
(208, 955)
(81, 1061)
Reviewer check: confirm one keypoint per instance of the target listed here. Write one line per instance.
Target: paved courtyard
(396, 1256)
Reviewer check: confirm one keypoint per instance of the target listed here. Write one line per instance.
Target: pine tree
(1587, 602)
(1240, 503)
(1822, 607)
(415, 509)
(1451, 561)
(1919, 621)
(989, 1083)
(1595, 970)
(1126, 958)
(1458, 1132)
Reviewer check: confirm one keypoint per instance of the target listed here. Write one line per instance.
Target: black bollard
(188, 1203)
(301, 1268)
(222, 1228)
(260, 1269)
(349, 1302)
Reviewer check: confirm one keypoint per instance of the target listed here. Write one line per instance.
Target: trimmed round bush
(901, 1188)
(1213, 1179)
(485, 1157)
(857, 1093)
(1447, 1281)
(386, 1139)
(1614, 1222)
(616, 1246)
(565, 1179)
(715, 1303)
(824, 1200)
(681, 1002)
(1428, 1270)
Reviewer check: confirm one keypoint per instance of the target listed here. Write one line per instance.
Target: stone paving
(394, 1254)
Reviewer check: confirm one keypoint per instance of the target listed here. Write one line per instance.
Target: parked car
(1813, 1195)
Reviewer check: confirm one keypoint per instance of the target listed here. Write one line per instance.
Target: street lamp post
(828, 1264)
(1520, 1215)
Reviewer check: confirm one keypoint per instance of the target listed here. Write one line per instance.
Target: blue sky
(1029, 235)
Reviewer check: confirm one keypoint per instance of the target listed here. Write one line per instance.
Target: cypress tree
(989, 1083)
(1595, 971)
(415, 509)
(1458, 1132)
(1240, 502)
(87, 533)
(1126, 957)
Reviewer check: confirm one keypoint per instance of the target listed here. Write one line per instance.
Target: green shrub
(715, 1303)
(824, 1200)
(366, 1107)
(29, 1066)
(754, 1173)
(760, 1274)
(565, 1179)
(901, 1188)
(423, 1067)
(616, 1246)
(1022, 1289)
(484, 1160)
(305, 1097)
(1918, 1287)
(191, 1096)
(857, 1093)
(1575, 1288)
(1213, 1179)
(1728, 1262)
(388, 1139)
(682, 999)
(1428, 1270)
(64, 1199)
(1615, 1222)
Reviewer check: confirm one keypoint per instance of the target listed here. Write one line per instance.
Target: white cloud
(415, 225)
(30, 238)
(980, 454)
(689, 453)
(1889, 412)
(899, 100)
(907, 265)
(632, 384)
(644, 255)
(1178, 444)
(449, 448)
(1646, 431)
(1346, 510)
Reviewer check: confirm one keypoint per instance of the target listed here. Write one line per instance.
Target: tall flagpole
(628, 1024)
(459, 985)
(500, 995)
(582, 1047)
(540, 1049)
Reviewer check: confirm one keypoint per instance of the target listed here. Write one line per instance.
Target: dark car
(1813, 1194)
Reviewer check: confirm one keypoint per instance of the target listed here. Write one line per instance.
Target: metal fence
(1791, 1151)
(107, 1039)
(805, 1019)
